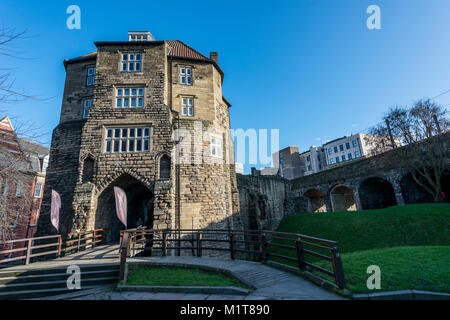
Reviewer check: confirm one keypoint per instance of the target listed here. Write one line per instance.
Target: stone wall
(264, 201)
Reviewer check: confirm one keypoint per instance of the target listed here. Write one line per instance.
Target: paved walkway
(270, 283)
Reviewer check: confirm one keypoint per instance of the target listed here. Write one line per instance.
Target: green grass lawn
(409, 243)
(421, 268)
(177, 276)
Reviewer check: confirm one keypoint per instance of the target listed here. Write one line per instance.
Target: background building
(22, 177)
(293, 164)
(288, 160)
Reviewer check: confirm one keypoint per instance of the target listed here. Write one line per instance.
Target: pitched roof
(178, 49)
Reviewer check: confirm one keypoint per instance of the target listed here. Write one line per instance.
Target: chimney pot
(214, 56)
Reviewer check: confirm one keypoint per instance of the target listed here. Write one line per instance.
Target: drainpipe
(178, 213)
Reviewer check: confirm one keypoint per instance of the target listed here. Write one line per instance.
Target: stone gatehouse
(121, 108)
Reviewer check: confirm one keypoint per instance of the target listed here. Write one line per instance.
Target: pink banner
(56, 205)
(121, 205)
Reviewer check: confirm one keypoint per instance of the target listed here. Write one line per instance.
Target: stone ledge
(403, 295)
(186, 289)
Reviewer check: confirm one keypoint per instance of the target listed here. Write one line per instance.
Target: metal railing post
(93, 238)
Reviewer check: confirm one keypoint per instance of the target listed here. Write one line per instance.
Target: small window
(331, 161)
(354, 143)
(330, 151)
(335, 150)
(164, 167)
(186, 75)
(341, 147)
(38, 190)
(131, 62)
(356, 154)
(90, 78)
(86, 105)
(337, 160)
(216, 147)
(350, 157)
(343, 157)
(187, 107)
(347, 145)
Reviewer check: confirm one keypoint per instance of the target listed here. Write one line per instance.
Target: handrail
(139, 240)
(79, 238)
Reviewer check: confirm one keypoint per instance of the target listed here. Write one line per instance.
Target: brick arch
(342, 198)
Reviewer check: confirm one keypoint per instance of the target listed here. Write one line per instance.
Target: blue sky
(309, 68)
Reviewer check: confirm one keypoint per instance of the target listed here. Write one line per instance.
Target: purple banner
(56, 205)
(121, 205)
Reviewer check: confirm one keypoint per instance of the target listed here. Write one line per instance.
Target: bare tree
(423, 130)
(16, 176)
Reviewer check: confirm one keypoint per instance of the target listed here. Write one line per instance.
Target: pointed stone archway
(140, 206)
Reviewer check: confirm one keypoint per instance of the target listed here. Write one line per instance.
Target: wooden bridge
(104, 264)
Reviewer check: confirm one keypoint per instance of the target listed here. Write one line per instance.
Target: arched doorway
(412, 192)
(139, 207)
(376, 193)
(342, 199)
(316, 201)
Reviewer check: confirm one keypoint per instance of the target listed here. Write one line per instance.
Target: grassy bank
(411, 244)
(176, 276)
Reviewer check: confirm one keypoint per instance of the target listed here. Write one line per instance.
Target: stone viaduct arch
(376, 193)
(342, 198)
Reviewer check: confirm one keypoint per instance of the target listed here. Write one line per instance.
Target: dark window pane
(124, 146)
(116, 145)
(108, 146)
(139, 145)
(146, 145)
(132, 133)
(139, 132)
(116, 133)
(131, 146)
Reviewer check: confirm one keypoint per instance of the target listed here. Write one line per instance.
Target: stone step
(28, 286)
(40, 293)
(26, 278)
(14, 272)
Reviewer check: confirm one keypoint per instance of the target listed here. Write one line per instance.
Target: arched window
(164, 167)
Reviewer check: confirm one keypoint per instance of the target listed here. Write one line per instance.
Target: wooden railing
(22, 249)
(298, 250)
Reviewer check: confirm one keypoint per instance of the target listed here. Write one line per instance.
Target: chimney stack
(214, 56)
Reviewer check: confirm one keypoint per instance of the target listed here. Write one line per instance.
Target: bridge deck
(270, 283)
